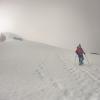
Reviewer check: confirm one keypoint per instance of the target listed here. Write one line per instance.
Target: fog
(62, 23)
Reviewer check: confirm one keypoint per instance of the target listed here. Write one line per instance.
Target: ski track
(84, 91)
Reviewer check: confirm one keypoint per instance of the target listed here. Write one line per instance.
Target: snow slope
(35, 71)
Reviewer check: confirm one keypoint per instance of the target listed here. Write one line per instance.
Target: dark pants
(81, 58)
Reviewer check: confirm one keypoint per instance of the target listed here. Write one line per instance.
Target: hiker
(79, 51)
(2, 37)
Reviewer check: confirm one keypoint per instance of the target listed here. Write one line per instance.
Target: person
(2, 37)
(79, 51)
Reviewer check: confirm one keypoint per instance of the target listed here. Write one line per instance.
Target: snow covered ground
(35, 71)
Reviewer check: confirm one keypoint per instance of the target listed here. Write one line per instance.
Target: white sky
(63, 23)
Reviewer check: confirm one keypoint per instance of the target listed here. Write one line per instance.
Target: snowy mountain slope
(35, 71)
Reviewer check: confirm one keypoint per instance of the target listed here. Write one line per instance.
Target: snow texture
(35, 71)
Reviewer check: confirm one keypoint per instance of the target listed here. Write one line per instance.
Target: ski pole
(87, 59)
(75, 59)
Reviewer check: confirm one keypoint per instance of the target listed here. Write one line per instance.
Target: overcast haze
(63, 23)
